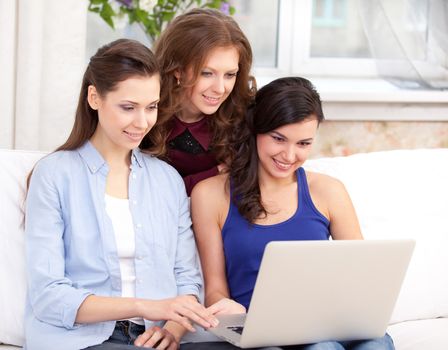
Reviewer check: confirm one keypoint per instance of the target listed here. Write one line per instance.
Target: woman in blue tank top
(268, 196)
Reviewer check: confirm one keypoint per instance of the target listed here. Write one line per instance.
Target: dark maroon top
(189, 151)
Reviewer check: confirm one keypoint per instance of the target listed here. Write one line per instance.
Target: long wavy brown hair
(111, 64)
(185, 45)
(281, 102)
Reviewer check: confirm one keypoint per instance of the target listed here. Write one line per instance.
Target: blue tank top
(244, 243)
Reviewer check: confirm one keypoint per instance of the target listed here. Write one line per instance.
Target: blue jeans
(384, 343)
(123, 337)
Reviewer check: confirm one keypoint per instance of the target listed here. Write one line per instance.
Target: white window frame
(304, 64)
(293, 55)
(350, 88)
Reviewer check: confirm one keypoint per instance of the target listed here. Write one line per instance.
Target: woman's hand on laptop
(182, 309)
(226, 306)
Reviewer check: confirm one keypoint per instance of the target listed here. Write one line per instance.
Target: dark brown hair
(281, 102)
(111, 64)
(185, 44)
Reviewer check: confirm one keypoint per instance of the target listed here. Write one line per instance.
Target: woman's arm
(344, 222)
(209, 207)
(52, 296)
(186, 268)
(333, 201)
(180, 309)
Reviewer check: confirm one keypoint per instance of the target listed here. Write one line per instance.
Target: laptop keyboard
(237, 329)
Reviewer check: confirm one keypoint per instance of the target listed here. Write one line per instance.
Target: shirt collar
(95, 161)
(199, 130)
(92, 157)
(137, 157)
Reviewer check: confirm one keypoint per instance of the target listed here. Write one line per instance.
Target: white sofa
(397, 194)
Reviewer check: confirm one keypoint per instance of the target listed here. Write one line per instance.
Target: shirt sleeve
(52, 296)
(186, 270)
(191, 180)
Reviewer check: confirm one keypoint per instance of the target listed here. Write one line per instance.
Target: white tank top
(120, 215)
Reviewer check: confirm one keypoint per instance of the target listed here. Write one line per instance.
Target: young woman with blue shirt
(109, 244)
(268, 196)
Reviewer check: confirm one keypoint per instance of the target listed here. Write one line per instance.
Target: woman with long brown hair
(205, 62)
(109, 245)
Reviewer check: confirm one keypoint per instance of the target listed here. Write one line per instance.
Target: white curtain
(409, 41)
(42, 58)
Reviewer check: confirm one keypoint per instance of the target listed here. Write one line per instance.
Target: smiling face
(215, 83)
(283, 150)
(126, 114)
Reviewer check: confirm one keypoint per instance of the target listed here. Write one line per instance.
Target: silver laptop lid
(308, 291)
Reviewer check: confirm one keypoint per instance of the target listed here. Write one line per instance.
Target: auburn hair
(184, 46)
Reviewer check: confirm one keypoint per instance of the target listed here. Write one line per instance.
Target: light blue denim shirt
(70, 244)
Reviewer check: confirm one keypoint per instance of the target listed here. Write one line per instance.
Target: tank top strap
(304, 194)
(233, 209)
(301, 178)
(302, 188)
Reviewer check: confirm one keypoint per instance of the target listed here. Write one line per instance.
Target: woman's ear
(93, 98)
(178, 76)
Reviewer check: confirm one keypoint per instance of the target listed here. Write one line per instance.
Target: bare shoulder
(326, 192)
(211, 195)
(331, 198)
(211, 187)
(322, 183)
(210, 201)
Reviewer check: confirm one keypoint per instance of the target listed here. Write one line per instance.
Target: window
(287, 36)
(262, 33)
(318, 38)
(336, 30)
(324, 41)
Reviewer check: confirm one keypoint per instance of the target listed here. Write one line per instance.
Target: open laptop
(311, 291)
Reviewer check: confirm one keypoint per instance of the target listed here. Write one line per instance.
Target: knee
(325, 345)
(384, 343)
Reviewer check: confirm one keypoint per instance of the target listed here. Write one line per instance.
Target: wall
(340, 138)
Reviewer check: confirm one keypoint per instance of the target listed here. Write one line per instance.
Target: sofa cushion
(397, 194)
(403, 194)
(420, 335)
(14, 166)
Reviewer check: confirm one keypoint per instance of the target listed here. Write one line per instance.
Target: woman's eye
(206, 74)
(305, 143)
(276, 138)
(153, 107)
(127, 107)
(231, 75)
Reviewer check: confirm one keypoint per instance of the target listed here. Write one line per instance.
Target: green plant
(151, 15)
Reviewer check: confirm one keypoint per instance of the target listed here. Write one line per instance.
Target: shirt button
(139, 225)
(134, 176)
(139, 257)
(94, 168)
(134, 202)
(139, 281)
